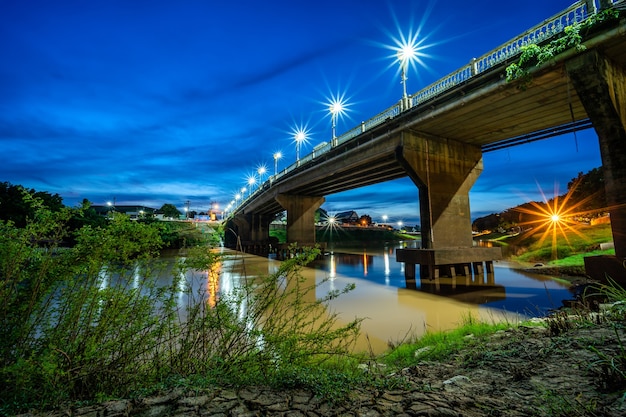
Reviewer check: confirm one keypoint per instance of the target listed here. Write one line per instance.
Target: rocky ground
(570, 367)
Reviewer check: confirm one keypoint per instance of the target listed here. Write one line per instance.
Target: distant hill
(585, 199)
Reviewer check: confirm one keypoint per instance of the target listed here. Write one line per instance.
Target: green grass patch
(578, 259)
(565, 247)
(436, 346)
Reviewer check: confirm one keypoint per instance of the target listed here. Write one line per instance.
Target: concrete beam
(444, 172)
(601, 87)
(300, 217)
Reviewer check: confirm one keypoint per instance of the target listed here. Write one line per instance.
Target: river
(394, 312)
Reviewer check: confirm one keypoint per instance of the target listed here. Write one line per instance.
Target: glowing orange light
(213, 284)
(555, 218)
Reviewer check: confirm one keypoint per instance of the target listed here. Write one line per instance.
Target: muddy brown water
(391, 311)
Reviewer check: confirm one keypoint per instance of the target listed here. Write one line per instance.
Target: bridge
(438, 135)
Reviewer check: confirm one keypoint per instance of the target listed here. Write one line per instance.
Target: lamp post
(251, 182)
(406, 53)
(299, 137)
(261, 171)
(335, 108)
(277, 156)
(332, 222)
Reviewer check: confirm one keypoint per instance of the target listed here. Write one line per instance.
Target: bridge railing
(575, 13)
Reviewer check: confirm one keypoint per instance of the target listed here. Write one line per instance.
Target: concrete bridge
(438, 135)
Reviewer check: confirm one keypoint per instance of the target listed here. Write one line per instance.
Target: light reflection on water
(506, 289)
(391, 310)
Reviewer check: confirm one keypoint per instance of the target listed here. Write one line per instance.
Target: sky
(168, 102)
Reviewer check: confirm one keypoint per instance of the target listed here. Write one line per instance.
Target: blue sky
(154, 102)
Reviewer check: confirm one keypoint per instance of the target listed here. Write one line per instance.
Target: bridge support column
(601, 87)
(300, 217)
(444, 171)
(237, 230)
(248, 232)
(260, 227)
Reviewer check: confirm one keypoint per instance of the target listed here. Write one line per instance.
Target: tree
(84, 215)
(19, 204)
(365, 220)
(589, 186)
(169, 210)
(320, 215)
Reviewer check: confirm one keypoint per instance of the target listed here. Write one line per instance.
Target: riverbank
(560, 367)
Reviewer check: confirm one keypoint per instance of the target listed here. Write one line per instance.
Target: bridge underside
(438, 144)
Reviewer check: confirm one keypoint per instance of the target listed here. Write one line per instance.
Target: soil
(560, 370)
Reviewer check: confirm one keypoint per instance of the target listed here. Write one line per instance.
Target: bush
(94, 321)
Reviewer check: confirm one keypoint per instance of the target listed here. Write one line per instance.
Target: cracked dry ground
(526, 371)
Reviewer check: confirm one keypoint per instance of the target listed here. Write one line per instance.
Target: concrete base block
(447, 261)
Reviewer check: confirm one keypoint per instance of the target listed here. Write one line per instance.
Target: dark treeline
(19, 206)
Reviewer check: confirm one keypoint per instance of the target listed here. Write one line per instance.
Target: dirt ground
(567, 365)
(570, 368)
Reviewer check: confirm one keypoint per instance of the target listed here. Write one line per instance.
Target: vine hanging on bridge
(534, 55)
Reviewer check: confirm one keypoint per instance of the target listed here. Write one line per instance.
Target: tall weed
(93, 321)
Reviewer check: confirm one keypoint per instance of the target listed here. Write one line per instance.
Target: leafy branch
(534, 55)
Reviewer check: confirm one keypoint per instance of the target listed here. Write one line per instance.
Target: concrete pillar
(260, 227)
(300, 217)
(444, 172)
(237, 230)
(601, 87)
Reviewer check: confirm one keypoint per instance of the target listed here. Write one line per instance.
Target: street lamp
(335, 108)
(406, 53)
(332, 223)
(277, 156)
(261, 170)
(251, 182)
(299, 136)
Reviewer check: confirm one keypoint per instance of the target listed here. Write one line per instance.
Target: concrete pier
(449, 261)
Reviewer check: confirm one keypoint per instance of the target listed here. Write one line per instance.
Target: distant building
(347, 217)
(134, 212)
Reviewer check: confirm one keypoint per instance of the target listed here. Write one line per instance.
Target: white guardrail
(577, 12)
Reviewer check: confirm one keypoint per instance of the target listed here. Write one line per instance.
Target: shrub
(95, 321)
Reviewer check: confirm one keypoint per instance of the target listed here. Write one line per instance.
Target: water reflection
(391, 310)
(506, 289)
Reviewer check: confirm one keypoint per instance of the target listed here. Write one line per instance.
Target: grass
(567, 249)
(436, 346)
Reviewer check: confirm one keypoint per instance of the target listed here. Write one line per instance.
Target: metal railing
(577, 12)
